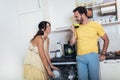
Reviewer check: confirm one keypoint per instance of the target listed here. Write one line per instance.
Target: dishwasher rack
(68, 70)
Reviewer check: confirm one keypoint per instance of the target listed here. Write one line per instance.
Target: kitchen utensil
(58, 74)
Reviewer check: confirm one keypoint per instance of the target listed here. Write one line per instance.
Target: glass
(76, 25)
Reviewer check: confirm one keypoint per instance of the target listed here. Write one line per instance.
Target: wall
(113, 32)
(10, 44)
(60, 13)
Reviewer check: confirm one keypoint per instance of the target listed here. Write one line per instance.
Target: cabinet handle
(38, 3)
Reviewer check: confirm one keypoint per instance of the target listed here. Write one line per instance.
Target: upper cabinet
(28, 6)
(60, 13)
(29, 16)
(102, 11)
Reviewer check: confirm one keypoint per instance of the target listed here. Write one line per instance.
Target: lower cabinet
(68, 71)
(110, 70)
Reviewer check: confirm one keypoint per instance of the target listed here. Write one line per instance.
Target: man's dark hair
(81, 10)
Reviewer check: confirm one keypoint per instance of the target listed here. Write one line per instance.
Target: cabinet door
(28, 27)
(109, 70)
(61, 13)
(118, 9)
(25, 6)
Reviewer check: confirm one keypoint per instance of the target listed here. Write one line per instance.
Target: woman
(37, 64)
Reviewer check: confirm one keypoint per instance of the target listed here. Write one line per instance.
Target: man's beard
(80, 21)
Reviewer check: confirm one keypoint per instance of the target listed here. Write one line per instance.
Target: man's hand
(102, 57)
(72, 28)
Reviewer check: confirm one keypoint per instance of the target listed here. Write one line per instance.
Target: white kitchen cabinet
(29, 15)
(28, 27)
(110, 70)
(28, 6)
(118, 9)
(61, 13)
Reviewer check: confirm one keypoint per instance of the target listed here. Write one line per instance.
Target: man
(86, 39)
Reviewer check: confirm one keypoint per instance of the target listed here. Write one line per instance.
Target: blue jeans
(88, 66)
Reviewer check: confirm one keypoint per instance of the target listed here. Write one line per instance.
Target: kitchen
(13, 47)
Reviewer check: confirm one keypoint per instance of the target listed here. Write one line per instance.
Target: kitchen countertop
(69, 60)
(63, 60)
(112, 55)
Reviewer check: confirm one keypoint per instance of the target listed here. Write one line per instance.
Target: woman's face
(48, 28)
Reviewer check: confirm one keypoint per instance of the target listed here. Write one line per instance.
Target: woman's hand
(53, 67)
(50, 73)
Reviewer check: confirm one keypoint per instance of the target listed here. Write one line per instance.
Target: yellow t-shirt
(87, 37)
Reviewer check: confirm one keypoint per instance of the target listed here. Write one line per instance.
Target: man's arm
(73, 38)
(105, 44)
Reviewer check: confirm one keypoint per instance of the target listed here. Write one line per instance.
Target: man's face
(78, 17)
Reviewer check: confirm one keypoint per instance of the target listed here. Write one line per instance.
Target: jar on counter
(58, 54)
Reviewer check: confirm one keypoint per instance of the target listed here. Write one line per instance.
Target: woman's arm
(48, 56)
(43, 57)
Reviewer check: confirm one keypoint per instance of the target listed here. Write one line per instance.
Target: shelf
(103, 4)
(109, 3)
(115, 22)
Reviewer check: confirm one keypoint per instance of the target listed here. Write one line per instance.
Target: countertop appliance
(69, 51)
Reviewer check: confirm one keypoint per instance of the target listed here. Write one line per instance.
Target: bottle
(59, 48)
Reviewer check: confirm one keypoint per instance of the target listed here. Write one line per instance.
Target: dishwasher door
(110, 69)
